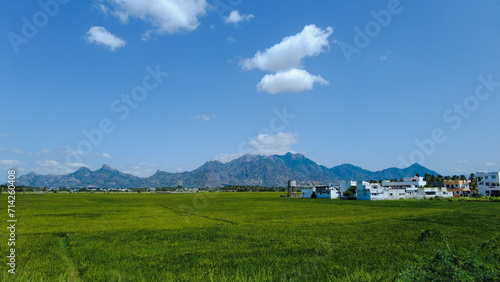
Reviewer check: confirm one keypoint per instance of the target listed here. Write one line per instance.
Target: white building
(460, 188)
(370, 191)
(411, 193)
(410, 188)
(408, 182)
(320, 192)
(307, 192)
(488, 183)
(430, 192)
(396, 194)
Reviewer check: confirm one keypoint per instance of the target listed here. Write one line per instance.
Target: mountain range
(254, 170)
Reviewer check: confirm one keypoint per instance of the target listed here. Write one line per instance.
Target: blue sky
(374, 83)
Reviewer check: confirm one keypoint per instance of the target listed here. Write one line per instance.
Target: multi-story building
(396, 194)
(429, 192)
(460, 188)
(370, 191)
(408, 182)
(488, 183)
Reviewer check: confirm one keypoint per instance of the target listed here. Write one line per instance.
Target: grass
(230, 236)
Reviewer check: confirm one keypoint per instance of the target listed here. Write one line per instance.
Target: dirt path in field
(70, 266)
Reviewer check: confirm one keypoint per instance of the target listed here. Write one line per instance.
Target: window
(486, 177)
(494, 177)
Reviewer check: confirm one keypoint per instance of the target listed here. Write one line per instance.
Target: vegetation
(350, 192)
(482, 263)
(235, 237)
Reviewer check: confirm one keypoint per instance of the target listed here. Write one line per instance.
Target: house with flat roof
(396, 194)
(370, 191)
(321, 192)
(460, 188)
(488, 183)
(430, 192)
(408, 182)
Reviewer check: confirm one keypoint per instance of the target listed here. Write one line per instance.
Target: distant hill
(273, 170)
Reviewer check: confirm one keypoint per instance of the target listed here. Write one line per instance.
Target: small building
(370, 191)
(488, 183)
(408, 182)
(308, 192)
(396, 194)
(430, 192)
(460, 188)
(320, 192)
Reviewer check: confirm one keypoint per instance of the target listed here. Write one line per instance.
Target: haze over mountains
(273, 170)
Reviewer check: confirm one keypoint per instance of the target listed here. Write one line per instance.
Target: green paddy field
(230, 236)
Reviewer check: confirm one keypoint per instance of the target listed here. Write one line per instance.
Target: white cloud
(231, 40)
(77, 165)
(106, 156)
(4, 136)
(294, 80)
(385, 56)
(1, 149)
(11, 163)
(99, 35)
(235, 17)
(165, 15)
(204, 117)
(492, 164)
(101, 155)
(43, 152)
(102, 8)
(461, 161)
(264, 144)
(148, 34)
(63, 151)
(140, 171)
(291, 50)
(274, 144)
(55, 167)
(225, 158)
(17, 151)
